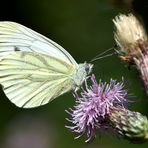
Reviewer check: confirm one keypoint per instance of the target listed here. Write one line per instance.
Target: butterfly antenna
(104, 54)
(98, 58)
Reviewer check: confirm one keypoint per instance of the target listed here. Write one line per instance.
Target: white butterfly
(35, 70)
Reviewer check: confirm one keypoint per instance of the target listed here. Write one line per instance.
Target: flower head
(129, 33)
(93, 104)
(132, 40)
(130, 125)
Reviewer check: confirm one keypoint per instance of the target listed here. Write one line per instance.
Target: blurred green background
(84, 28)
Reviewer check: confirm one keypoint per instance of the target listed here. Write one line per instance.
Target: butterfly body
(34, 70)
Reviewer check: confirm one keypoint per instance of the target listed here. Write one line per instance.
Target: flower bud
(130, 125)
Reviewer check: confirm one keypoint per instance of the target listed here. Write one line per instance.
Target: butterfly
(34, 70)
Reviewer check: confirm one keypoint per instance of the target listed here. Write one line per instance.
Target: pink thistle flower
(93, 104)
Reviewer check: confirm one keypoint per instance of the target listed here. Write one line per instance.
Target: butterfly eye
(88, 68)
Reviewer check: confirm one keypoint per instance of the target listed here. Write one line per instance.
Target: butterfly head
(88, 68)
(81, 74)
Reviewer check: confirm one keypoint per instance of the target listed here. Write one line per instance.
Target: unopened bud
(130, 125)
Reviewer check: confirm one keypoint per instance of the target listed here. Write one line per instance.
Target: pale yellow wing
(14, 36)
(30, 79)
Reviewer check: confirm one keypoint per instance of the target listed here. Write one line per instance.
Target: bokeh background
(84, 28)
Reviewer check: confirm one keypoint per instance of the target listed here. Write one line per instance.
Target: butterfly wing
(31, 80)
(33, 69)
(15, 37)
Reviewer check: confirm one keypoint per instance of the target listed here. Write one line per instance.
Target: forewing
(31, 80)
(15, 37)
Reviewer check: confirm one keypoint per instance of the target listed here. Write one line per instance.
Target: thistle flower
(129, 32)
(132, 40)
(93, 104)
(128, 124)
